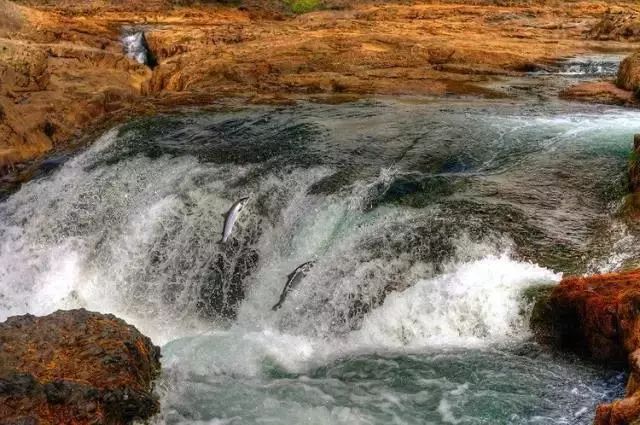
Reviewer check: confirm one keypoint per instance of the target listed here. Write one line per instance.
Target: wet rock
(224, 289)
(605, 92)
(629, 73)
(75, 367)
(599, 318)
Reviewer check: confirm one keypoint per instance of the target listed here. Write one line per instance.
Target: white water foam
(91, 248)
(476, 302)
(135, 47)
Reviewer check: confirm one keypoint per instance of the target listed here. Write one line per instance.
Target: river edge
(65, 74)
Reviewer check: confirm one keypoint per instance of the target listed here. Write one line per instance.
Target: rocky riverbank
(75, 367)
(598, 317)
(63, 71)
(624, 90)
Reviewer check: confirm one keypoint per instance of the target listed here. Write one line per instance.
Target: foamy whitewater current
(427, 223)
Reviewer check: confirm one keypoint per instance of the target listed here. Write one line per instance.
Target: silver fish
(230, 218)
(292, 281)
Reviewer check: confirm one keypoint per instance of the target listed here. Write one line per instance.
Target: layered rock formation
(605, 92)
(63, 70)
(620, 24)
(75, 367)
(599, 317)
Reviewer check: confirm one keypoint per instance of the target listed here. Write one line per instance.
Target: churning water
(427, 222)
(591, 66)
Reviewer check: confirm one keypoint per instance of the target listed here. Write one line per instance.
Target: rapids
(428, 220)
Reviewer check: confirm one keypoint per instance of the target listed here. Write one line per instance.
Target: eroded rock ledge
(75, 367)
(625, 90)
(63, 71)
(598, 317)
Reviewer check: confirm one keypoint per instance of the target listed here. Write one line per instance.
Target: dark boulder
(75, 367)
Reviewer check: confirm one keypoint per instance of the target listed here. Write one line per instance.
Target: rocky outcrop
(75, 367)
(605, 92)
(623, 91)
(63, 70)
(599, 318)
(623, 24)
(629, 73)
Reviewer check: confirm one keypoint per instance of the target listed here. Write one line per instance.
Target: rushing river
(427, 221)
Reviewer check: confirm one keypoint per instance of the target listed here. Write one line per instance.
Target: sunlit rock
(599, 318)
(629, 74)
(75, 367)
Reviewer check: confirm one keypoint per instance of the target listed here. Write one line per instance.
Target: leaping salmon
(230, 218)
(292, 281)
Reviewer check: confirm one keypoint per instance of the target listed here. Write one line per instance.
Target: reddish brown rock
(621, 24)
(75, 367)
(629, 73)
(605, 92)
(599, 317)
(624, 91)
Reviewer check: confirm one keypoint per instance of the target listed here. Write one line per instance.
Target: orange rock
(62, 68)
(629, 74)
(605, 92)
(599, 317)
(75, 367)
(622, 24)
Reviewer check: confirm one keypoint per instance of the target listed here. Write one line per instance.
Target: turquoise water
(476, 386)
(427, 221)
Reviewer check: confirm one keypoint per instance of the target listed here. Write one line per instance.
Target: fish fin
(291, 275)
(277, 306)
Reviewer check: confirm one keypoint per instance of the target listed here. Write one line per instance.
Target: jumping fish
(230, 218)
(292, 281)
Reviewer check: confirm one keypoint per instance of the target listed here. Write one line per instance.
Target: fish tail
(277, 306)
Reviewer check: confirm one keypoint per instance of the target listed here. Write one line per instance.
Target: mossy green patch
(303, 6)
